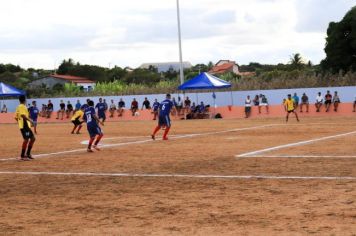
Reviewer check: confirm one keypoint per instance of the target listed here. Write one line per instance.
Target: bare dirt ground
(55, 195)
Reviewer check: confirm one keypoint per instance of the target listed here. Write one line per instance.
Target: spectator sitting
(77, 105)
(69, 110)
(146, 104)
(134, 106)
(192, 112)
(121, 107)
(256, 100)
(49, 109)
(4, 109)
(336, 101)
(305, 102)
(259, 103)
(175, 104)
(328, 100)
(296, 100)
(264, 102)
(319, 102)
(248, 106)
(354, 105)
(155, 107)
(112, 108)
(62, 108)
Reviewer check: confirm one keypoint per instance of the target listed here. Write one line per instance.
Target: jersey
(155, 106)
(22, 110)
(165, 107)
(289, 104)
(101, 108)
(77, 115)
(33, 113)
(88, 117)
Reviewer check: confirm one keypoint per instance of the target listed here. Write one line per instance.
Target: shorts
(247, 109)
(101, 116)
(77, 122)
(27, 133)
(263, 104)
(328, 102)
(164, 121)
(34, 123)
(290, 111)
(94, 130)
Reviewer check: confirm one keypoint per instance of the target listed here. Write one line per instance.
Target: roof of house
(222, 68)
(74, 79)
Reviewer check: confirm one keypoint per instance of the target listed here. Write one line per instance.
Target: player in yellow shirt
(289, 104)
(24, 122)
(77, 120)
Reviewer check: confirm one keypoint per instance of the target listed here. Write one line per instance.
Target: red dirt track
(113, 205)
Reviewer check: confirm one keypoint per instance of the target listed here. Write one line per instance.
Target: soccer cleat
(77, 132)
(153, 137)
(24, 159)
(30, 157)
(89, 150)
(96, 148)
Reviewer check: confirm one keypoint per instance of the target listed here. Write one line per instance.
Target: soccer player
(24, 122)
(33, 110)
(76, 120)
(101, 107)
(93, 127)
(163, 119)
(155, 107)
(290, 107)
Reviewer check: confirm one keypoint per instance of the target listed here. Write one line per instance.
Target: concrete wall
(49, 82)
(275, 97)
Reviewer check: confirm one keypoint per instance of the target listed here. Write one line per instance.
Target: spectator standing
(354, 106)
(296, 101)
(134, 106)
(4, 109)
(155, 107)
(33, 110)
(62, 109)
(112, 108)
(49, 109)
(146, 104)
(319, 102)
(179, 105)
(121, 107)
(106, 105)
(77, 105)
(187, 104)
(248, 104)
(336, 101)
(69, 110)
(264, 103)
(328, 100)
(305, 102)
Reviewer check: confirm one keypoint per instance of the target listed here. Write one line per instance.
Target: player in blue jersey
(93, 127)
(33, 110)
(163, 119)
(101, 107)
(155, 107)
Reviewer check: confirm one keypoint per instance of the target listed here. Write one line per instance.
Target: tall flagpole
(181, 74)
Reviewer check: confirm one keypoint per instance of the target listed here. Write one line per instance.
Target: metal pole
(181, 74)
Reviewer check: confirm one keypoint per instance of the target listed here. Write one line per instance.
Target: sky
(41, 33)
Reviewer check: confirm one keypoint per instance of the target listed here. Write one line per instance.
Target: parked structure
(52, 80)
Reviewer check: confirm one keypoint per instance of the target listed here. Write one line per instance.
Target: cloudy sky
(41, 33)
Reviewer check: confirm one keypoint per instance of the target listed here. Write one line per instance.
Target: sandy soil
(67, 205)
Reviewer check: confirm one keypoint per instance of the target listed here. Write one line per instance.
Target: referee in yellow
(290, 107)
(24, 122)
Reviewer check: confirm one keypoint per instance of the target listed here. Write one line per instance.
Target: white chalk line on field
(301, 143)
(303, 156)
(142, 141)
(188, 176)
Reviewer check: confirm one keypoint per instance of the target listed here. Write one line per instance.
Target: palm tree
(296, 61)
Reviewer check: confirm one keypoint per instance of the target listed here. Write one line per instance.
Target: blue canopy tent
(206, 81)
(9, 91)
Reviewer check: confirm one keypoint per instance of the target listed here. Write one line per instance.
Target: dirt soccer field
(213, 177)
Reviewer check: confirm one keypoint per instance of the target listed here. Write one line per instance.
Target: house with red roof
(224, 66)
(51, 80)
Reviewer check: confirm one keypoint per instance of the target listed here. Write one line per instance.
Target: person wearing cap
(290, 107)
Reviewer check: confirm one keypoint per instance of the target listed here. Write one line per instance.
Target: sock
(91, 140)
(80, 126)
(98, 139)
(166, 132)
(156, 130)
(29, 148)
(24, 146)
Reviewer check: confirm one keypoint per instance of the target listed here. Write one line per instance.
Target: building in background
(166, 66)
(224, 66)
(52, 80)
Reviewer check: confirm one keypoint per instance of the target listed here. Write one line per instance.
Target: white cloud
(41, 33)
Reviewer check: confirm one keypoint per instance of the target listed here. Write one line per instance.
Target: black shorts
(290, 111)
(247, 109)
(26, 133)
(328, 102)
(77, 122)
(164, 121)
